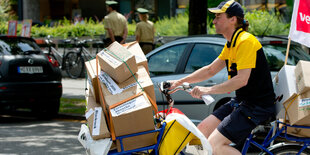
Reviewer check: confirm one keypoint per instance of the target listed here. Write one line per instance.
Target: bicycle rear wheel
(74, 64)
(289, 150)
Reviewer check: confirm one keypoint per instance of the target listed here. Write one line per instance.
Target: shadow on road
(29, 135)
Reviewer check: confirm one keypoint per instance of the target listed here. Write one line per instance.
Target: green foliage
(132, 29)
(175, 26)
(262, 23)
(75, 106)
(63, 28)
(6, 12)
(265, 23)
(3, 27)
(5, 9)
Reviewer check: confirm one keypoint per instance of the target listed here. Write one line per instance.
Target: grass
(72, 106)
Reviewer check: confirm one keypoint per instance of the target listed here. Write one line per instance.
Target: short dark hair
(241, 22)
(114, 6)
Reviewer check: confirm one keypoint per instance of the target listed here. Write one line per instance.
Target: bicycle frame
(57, 55)
(152, 147)
(82, 51)
(279, 133)
(86, 53)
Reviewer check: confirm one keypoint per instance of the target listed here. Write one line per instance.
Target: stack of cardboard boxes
(125, 92)
(292, 87)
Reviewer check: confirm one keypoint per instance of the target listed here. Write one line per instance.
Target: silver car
(181, 57)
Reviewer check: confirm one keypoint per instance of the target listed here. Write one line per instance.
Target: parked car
(28, 80)
(181, 57)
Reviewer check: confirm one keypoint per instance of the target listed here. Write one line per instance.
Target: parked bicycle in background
(72, 60)
(75, 59)
(56, 57)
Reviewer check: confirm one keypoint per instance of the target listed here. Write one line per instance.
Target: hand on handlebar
(198, 91)
(173, 84)
(170, 87)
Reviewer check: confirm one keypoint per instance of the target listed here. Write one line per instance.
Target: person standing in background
(145, 31)
(115, 25)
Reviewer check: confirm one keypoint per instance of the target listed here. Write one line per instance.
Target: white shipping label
(90, 84)
(136, 103)
(131, 85)
(304, 102)
(89, 113)
(97, 120)
(110, 84)
(89, 80)
(110, 58)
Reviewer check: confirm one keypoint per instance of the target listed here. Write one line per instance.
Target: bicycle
(75, 59)
(296, 145)
(55, 57)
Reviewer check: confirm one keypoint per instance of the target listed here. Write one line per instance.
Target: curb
(70, 116)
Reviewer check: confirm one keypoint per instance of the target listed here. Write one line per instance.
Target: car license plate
(30, 69)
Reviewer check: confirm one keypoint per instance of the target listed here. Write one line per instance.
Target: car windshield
(16, 46)
(276, 55)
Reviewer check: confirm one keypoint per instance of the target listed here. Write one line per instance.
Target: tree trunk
(197, 23)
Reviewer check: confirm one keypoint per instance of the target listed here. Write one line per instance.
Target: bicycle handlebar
(76, 41)
(164, 86)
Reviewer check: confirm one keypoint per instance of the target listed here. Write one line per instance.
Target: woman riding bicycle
(248, 75)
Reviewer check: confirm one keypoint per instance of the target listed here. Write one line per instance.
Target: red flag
(300, 24)
(303, 16)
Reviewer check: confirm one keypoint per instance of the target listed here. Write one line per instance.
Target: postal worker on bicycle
(248, 76)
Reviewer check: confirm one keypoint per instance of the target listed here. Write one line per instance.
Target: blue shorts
(237, 123)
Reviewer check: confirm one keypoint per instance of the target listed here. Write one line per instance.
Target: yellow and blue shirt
(245, 52)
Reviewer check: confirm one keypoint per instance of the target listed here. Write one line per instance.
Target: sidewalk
(73, 88)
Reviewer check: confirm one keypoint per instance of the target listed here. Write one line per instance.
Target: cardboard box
(130, 86)
(95, 119)
(302, 73)
(92, 78)
(137, 142)
(298, 109)
(112, 61)
(298, 132)
(284, 87)
(132, 116)
(136, 50)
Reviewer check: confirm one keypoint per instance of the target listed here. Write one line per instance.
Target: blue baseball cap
(230, 7)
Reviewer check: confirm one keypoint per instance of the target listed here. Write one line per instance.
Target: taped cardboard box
(284, 87)
(109, 87)
(92, 78)
(136, 50)
(298, 109)
(302, 73)
(133, 115)
(96, 119)
(298, 132)
(117, 62)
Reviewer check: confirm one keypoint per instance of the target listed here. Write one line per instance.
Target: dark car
(181, 57)
(28, 80)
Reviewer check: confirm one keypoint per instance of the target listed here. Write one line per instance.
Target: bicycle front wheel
(289, 150)
(74, 64)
